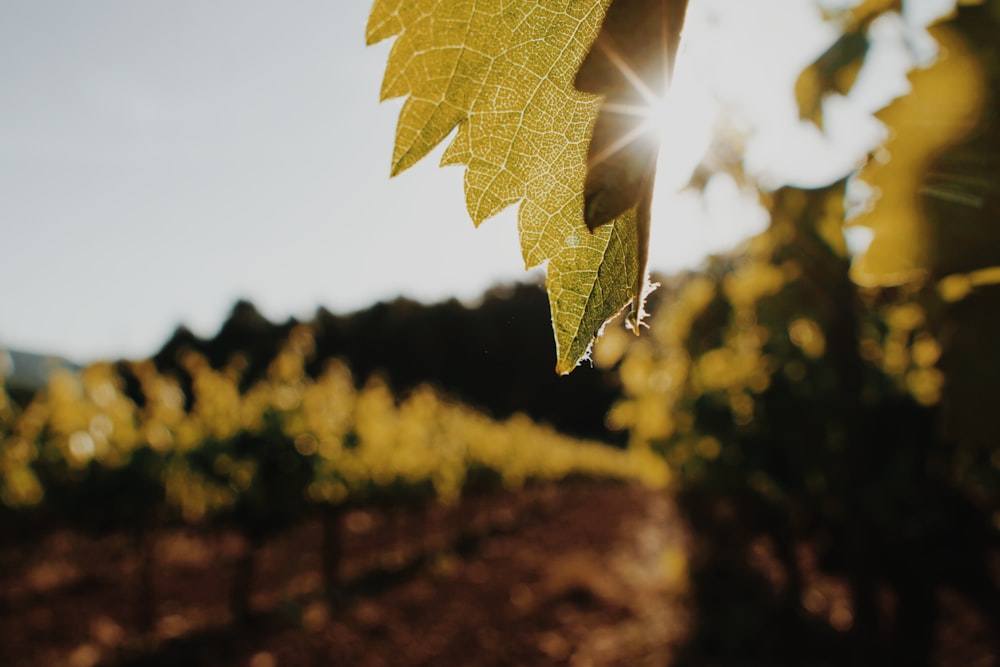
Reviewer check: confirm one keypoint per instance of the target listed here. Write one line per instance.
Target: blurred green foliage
(843, 408)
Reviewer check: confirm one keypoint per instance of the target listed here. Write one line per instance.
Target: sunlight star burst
(629, 65)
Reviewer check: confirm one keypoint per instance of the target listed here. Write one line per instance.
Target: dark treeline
(496, 355)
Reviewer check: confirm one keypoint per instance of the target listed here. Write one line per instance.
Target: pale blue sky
(160, 159)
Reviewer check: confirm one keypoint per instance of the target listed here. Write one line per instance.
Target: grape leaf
(835, 71)
(960, 194)
(502, 72)
(941, 110)
(629, 66)
(936, 217)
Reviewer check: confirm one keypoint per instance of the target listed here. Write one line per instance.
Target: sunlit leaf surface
(502, 72)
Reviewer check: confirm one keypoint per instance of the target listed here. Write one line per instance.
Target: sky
(161, 159)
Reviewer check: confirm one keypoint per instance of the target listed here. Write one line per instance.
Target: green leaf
(835, 71)
(611, 251)
(502, 72)
(910, 242)
(629, 66)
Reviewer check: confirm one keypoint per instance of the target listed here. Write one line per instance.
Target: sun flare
(679, 120)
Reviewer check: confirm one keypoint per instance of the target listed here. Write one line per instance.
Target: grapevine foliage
(808, 396)
(935, 214)
(927, 288)
(261, 454)
(503, 73)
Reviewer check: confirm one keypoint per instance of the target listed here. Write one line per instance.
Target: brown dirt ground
(582, 574)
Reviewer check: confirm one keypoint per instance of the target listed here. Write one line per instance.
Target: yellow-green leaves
(502, 72)
(833, 72)
(941, 110)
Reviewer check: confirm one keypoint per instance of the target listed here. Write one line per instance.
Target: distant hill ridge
(497, 355)
(23, 373)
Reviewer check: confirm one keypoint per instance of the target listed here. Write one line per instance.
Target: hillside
(495, 355)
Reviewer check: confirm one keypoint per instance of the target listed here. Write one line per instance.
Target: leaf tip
(564, 368)
(566, 364)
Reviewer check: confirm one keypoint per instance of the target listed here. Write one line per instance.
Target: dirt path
(583, 574)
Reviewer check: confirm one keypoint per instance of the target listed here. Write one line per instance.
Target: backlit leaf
(629, 65)
(502, 73)
(942, 109)
(835, 71)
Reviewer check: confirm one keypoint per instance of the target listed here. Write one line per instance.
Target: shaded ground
(584, 574)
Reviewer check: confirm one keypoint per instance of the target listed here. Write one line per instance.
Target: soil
(584, 574)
